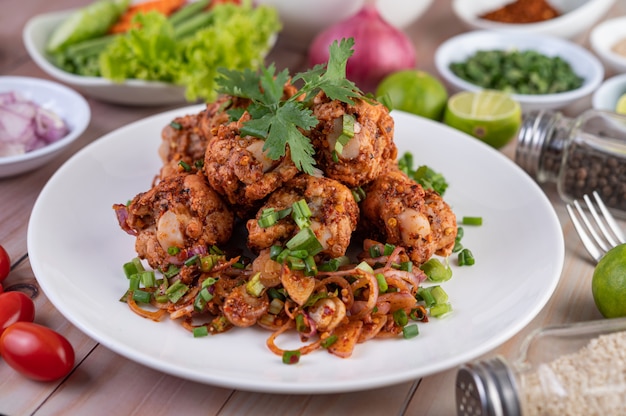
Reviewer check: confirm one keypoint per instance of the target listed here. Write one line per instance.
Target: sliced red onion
(49, 126)
(26, 126)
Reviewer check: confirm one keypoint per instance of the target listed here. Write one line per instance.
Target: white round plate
(77, 250)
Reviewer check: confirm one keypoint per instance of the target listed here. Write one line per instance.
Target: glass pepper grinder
(574, 369)
(579, 154)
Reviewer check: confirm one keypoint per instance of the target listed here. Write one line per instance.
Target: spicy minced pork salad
(308, 165)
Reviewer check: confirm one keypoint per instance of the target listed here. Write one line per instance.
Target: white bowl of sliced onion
(39, 119)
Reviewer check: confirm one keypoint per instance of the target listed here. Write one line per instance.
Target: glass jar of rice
(575, 369)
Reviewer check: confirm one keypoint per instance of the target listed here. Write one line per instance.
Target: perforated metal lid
(486, 388)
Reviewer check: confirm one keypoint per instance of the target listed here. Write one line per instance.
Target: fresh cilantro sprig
(279, 121)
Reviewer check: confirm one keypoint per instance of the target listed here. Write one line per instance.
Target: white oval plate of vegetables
(518, 249)
(124, 78)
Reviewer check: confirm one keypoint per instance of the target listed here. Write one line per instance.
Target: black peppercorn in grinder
(581, 155)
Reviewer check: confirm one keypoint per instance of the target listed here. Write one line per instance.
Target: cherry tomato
(36, 351)
(1, 289)
(5, 264)
(15, 307)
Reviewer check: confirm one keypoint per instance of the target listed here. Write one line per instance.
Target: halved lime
(491, 116)
(620, 107)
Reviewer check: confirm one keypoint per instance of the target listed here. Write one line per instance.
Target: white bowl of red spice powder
(567, 19)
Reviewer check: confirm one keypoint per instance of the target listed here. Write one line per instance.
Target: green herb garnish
(279, 121)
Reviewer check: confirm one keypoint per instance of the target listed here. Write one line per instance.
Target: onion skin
(380, 48)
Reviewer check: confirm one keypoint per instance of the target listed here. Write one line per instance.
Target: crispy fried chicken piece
(182, 140)
(239, 170)
(334, 215)
(363, 158)
(397, 210)
(181, 211)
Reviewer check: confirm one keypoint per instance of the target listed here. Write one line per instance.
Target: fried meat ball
(364, 156)
(239, 170)
(182, 141)
(334, 215)
(399, 211)
(182, 212)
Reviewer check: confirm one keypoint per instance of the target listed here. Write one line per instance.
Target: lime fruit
(491, 116)
(416, 92)
(620, 107)
(608, 284)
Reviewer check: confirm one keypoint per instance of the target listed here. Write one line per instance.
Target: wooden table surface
(103, 382)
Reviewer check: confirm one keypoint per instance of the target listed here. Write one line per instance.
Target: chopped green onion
(347, 132)
(300, 254)
(295, 263)
(208, 262)
(410, 331)
(425, 295)
(364, 266)
(291, 357)
(147, 278)
(375, 251)
(199, 303)
(133, 267)
(269, 217)
(310, 268)
(440, 310)
(333, 265)
(400, 317)
(200, 331)
(176, 291)
(199, 164)
(301, 213)
(282, 257)
(275, 250)
(254, 286)
(276, 306)
(358, 193)
(184, 165)
(176, 125)
(466, 258)
(406, 266)
(192, 260)
(472, 220)
(274, 293)
(172, 251)
(439, 294)
(171, 271)
(417, 314)
(329, 341)
(305, 240)
(382, 283)
(209, 281)
(301, 325)
(312, 300)
(133, 282)
(388, 249)
(141, 296)
(436, 271)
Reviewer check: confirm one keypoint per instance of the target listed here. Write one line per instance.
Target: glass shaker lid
(486, 388)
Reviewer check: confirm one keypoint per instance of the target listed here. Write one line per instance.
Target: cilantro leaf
(279, 121)
(333, 80)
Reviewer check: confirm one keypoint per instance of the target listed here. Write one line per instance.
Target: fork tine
(615, 229)
(588, 243)
(608, 237)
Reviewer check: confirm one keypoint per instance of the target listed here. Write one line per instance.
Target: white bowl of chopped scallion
(540, 72)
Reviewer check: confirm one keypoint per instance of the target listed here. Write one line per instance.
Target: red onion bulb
(379, 48)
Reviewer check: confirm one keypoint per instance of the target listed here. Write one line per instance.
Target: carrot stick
(167, 7)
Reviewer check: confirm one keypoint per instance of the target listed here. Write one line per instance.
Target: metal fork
(610, 234)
